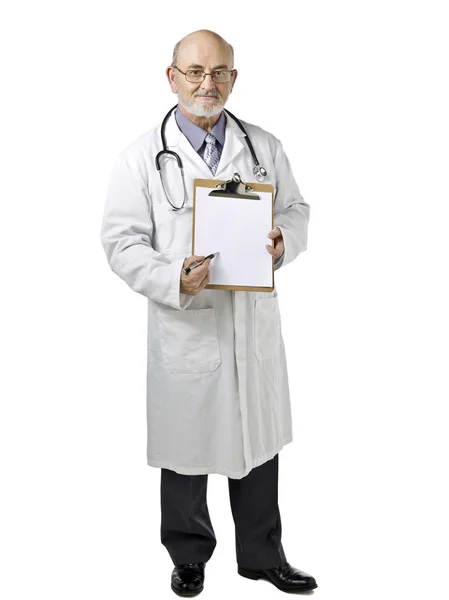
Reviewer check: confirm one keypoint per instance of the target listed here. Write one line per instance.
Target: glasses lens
(195, 76)
(221, 76)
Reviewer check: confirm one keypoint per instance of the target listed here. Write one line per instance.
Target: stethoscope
(259, 172)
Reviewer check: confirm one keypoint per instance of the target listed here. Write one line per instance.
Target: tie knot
(210, 139)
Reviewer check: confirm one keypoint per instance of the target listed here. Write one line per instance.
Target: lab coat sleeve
(126, 236)
(291, 211)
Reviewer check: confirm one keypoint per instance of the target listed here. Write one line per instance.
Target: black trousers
(186, 528)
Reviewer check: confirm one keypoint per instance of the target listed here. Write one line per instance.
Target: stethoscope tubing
(258, 170)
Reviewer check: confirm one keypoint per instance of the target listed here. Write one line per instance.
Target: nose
(208, 83)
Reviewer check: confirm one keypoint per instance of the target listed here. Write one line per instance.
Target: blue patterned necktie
(211, 154)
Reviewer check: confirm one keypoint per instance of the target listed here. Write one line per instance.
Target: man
(217, 385)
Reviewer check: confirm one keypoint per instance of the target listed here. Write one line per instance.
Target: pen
(197, 263)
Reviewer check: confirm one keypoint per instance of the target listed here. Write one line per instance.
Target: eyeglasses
(198, 75)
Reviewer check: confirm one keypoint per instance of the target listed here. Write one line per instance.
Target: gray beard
(202, 111)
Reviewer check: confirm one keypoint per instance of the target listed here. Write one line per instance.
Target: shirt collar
(196, 134)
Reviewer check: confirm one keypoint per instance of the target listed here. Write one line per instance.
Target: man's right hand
(197, 279)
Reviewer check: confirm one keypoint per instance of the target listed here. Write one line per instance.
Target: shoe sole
(249, 574)
(187, 594)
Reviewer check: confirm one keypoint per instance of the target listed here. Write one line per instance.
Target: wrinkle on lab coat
(217, 385)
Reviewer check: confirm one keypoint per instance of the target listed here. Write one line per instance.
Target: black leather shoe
(188, 579)
(284, 577)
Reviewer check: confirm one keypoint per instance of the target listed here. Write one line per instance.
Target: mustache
(208, 95)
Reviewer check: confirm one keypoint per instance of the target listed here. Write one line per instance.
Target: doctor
(217, 386)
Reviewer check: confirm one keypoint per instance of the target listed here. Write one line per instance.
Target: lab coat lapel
(233, 144)
(177, 141)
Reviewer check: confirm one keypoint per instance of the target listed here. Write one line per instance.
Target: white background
(358, 94)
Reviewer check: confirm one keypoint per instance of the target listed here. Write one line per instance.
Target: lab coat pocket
(267, 327)
(189, 340)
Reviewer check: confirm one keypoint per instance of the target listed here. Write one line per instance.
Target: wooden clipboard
(246, 192)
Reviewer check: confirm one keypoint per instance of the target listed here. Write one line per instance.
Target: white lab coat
(217, 386)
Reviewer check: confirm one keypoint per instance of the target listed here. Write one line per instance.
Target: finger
(203, 269)
(280, 246)
(205, 280)
(276, 232)
(195, 258)
(276, 253)
(200, 268)
(205, 265)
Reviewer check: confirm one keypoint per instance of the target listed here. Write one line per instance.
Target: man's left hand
(278, 249)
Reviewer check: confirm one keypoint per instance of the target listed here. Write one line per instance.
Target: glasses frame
(205, 74)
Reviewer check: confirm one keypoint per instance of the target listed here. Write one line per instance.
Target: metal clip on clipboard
(235, 188)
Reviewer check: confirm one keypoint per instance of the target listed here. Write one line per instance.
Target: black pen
(197, 263)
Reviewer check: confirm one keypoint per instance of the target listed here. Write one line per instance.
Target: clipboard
(219, 219)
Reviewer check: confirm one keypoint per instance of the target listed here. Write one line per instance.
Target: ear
(171, 76)
(234, 77)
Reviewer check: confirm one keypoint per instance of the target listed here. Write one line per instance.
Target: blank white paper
(237, 228)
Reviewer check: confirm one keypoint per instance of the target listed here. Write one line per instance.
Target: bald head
(203, 39)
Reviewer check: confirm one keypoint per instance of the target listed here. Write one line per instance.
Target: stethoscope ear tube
(165, 190)
(164, 122)
(258, 171)
(159, 154)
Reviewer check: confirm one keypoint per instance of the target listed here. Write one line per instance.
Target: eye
(195, 71)
(219, 73)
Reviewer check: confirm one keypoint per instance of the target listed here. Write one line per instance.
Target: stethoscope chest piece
(259, 173)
